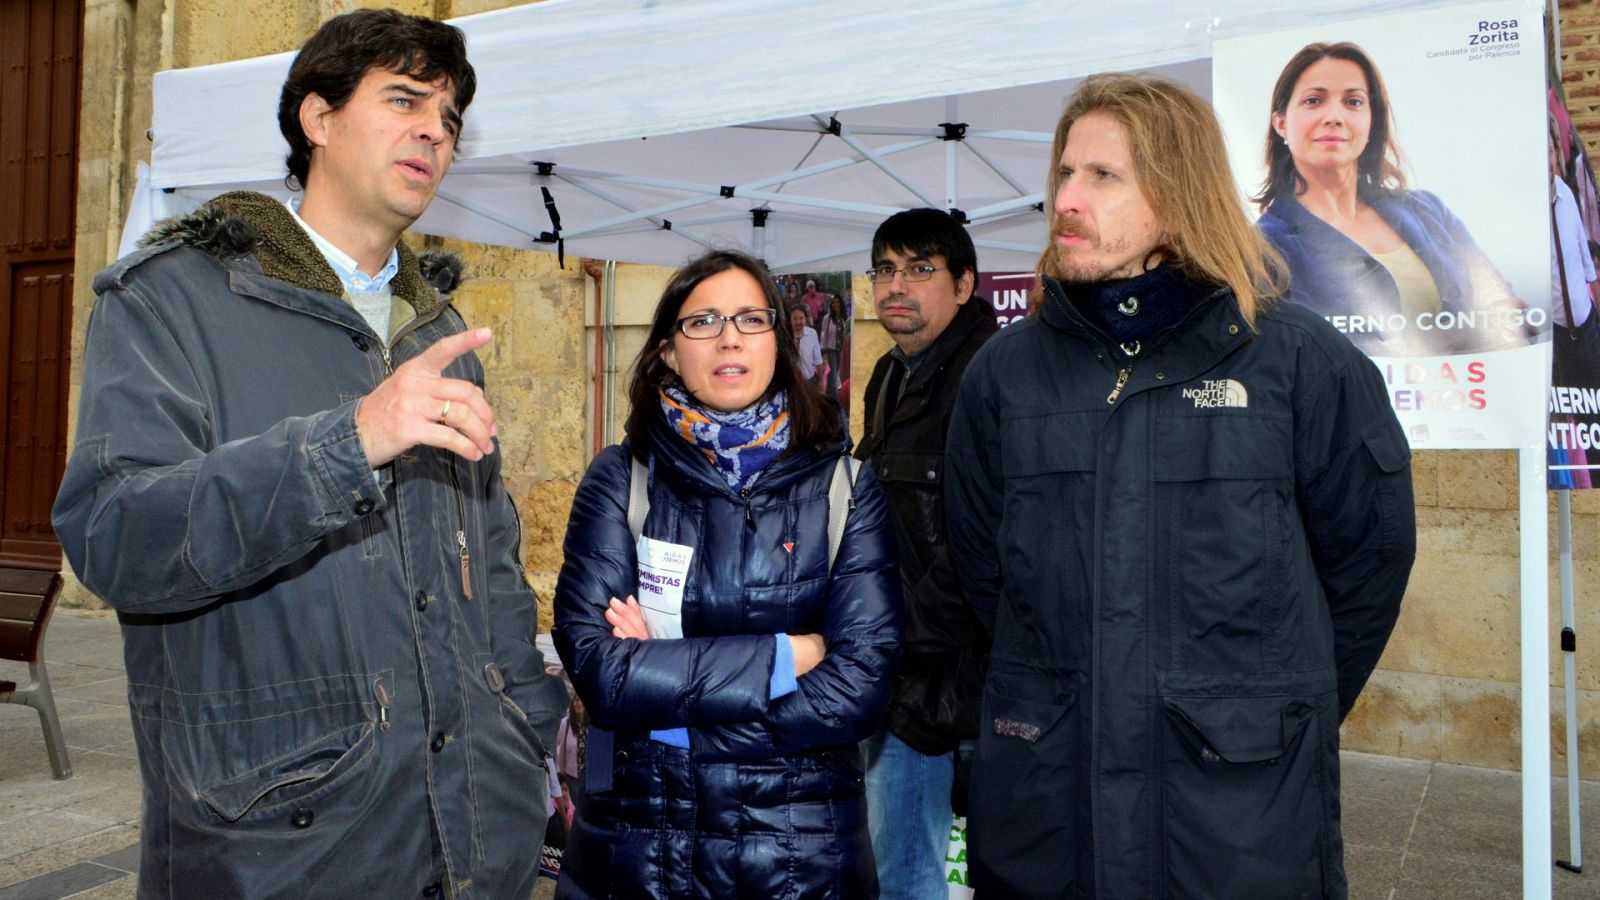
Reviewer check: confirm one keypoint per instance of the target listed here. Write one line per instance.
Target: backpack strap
(841, 502)
(638, 497)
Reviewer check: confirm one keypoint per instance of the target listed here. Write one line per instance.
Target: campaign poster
(955, 860)
(572, 737)
(1010, 293)
(1573, 433)
(827, 304)
(1398, 164)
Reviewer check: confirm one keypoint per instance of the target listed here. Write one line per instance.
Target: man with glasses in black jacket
(924, 275)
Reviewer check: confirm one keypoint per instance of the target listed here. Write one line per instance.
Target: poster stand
(1569, 663)
(1535, 594)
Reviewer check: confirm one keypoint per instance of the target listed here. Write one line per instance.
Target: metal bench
(26, 599)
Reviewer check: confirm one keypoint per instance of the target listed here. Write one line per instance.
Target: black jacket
(767, 801)
(1188, 580)
(935, 700)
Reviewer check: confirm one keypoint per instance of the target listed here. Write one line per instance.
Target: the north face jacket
(935, 702)
(767, 801)
(1190, 561)
(332, 695)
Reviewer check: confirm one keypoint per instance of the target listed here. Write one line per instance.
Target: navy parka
(1188, 581)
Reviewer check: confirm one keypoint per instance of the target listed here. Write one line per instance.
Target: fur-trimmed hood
(245, 223)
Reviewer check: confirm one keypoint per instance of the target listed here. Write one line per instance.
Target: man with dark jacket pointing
(286, 481)
(1183, 509)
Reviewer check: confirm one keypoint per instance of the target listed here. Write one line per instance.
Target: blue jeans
(908, 814)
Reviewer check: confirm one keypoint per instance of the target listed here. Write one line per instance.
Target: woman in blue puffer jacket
(726, 708)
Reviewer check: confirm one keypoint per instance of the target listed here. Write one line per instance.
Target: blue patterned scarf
(739, 443)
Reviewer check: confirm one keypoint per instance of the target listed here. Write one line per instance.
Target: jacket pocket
(1023, 807)
(910, 467)
(1225, 509)
(1393, 457)
(306, 774)
(1049, 444)
(1243, 797)
(517, 720)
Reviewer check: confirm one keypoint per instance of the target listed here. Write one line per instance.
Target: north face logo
(1218, 392)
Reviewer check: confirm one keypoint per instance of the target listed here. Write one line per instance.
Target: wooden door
(39, 73)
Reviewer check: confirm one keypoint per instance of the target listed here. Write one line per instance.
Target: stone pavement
(50, 825)
(1414, 830)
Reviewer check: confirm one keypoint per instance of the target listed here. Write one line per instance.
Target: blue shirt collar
(344, 265)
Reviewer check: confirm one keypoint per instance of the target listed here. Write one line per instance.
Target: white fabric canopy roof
(650, 108)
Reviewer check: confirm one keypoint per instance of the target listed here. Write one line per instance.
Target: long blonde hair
(1179, 159)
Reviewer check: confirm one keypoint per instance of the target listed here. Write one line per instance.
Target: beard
(1096, 262)
(909, 322)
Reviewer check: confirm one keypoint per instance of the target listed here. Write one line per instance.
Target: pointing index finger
(447, 350)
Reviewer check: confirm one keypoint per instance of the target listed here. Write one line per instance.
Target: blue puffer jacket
(767, 800)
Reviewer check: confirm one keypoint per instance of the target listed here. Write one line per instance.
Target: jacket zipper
(455, 484)
(1125, 373)
(461, 533)
(1122, 382)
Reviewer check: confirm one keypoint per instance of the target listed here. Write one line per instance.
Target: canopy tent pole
(581, 185)
(758, 231)
(609, 304)
(950, 195)
(1535, 600)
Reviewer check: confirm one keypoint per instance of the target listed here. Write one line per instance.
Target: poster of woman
(1400, 178)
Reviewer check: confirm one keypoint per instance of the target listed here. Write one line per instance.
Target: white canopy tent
(789, 128)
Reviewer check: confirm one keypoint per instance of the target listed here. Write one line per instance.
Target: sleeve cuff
(672, 737)
(352, 485)
(783, 679)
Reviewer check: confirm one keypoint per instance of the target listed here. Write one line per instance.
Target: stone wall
(536, 383)
(1447, 688)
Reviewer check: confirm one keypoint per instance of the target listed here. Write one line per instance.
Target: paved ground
(1414, 830)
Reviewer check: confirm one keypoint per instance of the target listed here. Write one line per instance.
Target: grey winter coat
(1190, 562)
(329, 699)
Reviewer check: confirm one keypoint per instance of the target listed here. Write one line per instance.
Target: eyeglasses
(920, 272)
(706, 326)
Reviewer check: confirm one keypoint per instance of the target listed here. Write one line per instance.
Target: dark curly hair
(347, 47)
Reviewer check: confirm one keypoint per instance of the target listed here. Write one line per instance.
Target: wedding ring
(444, 412)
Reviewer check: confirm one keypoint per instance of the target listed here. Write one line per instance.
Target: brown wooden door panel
(63, 190)
(36, 133)
(13, 106)
(39, 73)
(36, 390)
